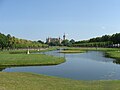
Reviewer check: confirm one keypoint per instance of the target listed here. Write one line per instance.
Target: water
(91, 65)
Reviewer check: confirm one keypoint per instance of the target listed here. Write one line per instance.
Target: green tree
(3, 41)
(72, 41)
(65, 42)
(40, 41)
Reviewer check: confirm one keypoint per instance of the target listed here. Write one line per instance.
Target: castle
(49, 39)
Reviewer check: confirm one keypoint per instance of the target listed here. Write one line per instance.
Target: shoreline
(30, 81)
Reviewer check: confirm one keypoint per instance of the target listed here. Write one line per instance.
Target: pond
(91, 65)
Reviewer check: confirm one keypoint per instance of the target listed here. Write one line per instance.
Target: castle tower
(60, 40)
(64, 37)
(48, 40)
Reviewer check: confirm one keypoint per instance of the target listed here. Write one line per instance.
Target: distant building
(49, 40)
(64, 37)
(53, 40)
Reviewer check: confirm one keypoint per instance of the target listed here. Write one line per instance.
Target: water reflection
(2, 68)
(116, 61)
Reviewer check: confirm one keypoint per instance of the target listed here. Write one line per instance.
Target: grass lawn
(92, 49)
(82, 50)
(20, 58)
(114, 54)
(24, 51)
(72, 51)
(29, 81)
(31, 59)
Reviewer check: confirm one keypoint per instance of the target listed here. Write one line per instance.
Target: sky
(78, 19)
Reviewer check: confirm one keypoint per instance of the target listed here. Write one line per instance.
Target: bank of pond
(91, 64)
(30, 81)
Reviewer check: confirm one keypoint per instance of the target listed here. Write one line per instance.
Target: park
(59, 44)
(38, 68)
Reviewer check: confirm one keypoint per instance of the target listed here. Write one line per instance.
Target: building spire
(64, 37)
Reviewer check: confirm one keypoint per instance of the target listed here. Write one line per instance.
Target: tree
(11, 42)
(115, 38)
(9, 45)
(65, 42)
(105, 38)
(3, 41)
(72, 41)
(104, 41)
(40, 41)
(55, 43)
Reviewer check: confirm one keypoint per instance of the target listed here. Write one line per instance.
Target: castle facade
(53, 40)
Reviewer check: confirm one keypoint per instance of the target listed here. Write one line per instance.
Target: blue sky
(79, 19)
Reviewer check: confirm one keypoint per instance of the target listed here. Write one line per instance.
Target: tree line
(104, 41)
(11, 42)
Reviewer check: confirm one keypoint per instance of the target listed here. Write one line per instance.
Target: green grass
(114, 54)
(29, 81)
(31, 59)
(92, 49)
(20, 58)
(20, 51)
(72, 51)
(82, 50)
